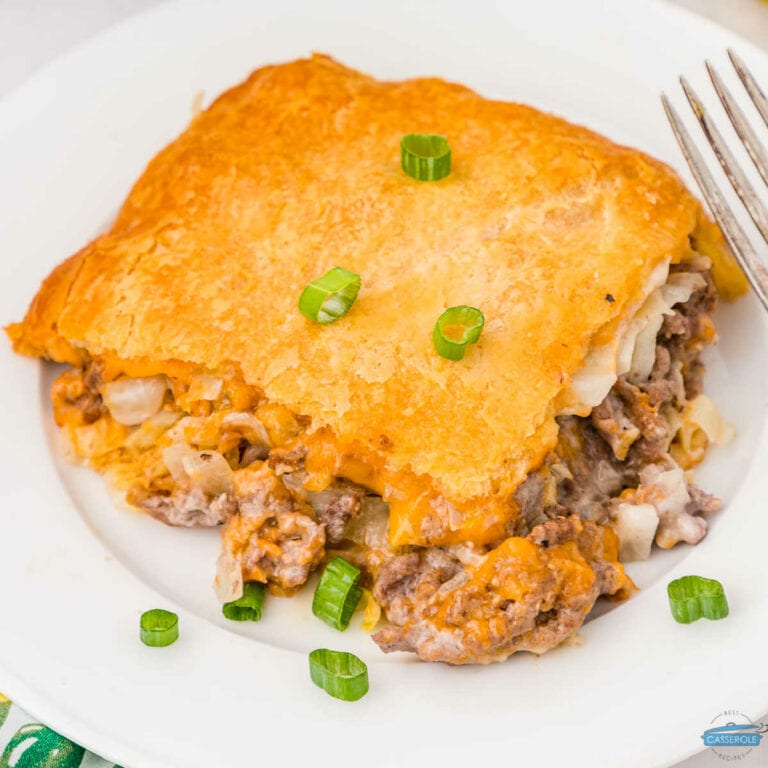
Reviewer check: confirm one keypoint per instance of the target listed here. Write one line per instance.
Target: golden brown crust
(38, 334)
(729, 280)
(295, 171)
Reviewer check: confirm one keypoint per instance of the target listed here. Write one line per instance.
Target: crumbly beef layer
(437, 600)
(630, 432)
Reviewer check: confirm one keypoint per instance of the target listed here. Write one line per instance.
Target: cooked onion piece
(203, 386)
(636, 526)
(207, 470)
(371, 527)
(131, 401)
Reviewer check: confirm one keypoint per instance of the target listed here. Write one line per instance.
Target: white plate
(76, 573)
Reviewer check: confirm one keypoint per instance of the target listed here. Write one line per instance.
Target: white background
(33, 32)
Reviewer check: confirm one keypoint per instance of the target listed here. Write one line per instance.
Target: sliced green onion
(159, 628)
(330, 297)
(455, 329)
(249, 606)
(425, 156)
(692, 597)
(338, 673)
(337, 594)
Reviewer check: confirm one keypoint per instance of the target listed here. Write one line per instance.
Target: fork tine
(753, 89)
(734, 234)
(736, 176)
(743, 128)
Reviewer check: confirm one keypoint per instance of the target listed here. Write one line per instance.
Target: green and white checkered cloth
(27, 744)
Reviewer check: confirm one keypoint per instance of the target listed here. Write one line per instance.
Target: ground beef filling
(625, 442)
(621, 450)
(528, 594)
(447, 603)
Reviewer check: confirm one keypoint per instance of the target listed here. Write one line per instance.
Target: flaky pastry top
(548, 228)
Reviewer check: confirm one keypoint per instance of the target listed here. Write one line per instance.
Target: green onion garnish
(330, 297)
(159, 628)
(337, 594)
(249, 606)
(455, 329)
(692, 597)
(425, 156)
(339, 674)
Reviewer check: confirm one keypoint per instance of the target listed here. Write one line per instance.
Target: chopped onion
(209, 471)
(371, 527)
(195, 430)
(667, 490)
(145, 437)
(162, 421)
(470, 555)
(681, 527)
(639, 318)
(98, 438)
(680, 286)
(229, 578)
(636, 526)
(319, 500)
(249, 426)
(644, 353)
(673, 493)
(676, 290)
(593, 381)
(203, 386)
(172, 457)
(131, 401)
(634, 351)
(704, 413)
(206, 470)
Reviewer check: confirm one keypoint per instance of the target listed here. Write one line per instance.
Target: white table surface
(34, 32)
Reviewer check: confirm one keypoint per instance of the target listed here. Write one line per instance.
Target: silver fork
(740, 244)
